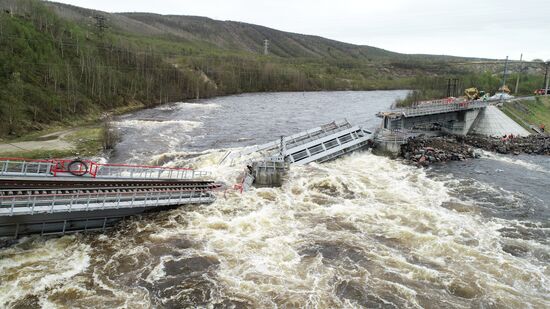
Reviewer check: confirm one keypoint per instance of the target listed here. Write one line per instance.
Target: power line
(174, 54)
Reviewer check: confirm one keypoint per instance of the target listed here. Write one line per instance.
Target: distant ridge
(237, 36)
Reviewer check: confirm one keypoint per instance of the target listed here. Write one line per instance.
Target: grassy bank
(83, 141)
(533, 112)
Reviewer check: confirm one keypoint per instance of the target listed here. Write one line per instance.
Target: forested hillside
(59, 62)
(53, 70)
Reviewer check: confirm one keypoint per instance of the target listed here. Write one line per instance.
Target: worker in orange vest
(542, 127)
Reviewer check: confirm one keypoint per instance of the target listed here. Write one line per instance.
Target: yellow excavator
(504, 89)
(472, 93)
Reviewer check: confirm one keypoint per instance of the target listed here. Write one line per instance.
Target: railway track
(11, 187)
(60, 196)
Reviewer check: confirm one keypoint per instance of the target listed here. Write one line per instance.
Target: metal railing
(9, 166)
(296, 139)
(146, 172)
(441, 108)
(87, 168)
(311, 135)
(87, 201)
(393, 136)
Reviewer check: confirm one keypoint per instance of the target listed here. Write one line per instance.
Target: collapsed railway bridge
(64, 196)
(456, 116)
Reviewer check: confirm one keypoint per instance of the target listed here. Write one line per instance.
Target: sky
(473, 28)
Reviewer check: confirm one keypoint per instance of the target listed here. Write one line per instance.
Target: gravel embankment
(423, 151)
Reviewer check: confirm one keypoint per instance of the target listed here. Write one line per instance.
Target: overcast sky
(476, 28)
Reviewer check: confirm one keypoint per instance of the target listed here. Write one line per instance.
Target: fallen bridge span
(34, 198)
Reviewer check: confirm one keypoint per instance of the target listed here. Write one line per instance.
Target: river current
(362, 231)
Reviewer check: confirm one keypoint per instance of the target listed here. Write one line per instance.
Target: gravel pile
(532, 144)
(423, 151)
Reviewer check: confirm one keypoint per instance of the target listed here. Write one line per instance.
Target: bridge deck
(434, 107)
(328, 146)
(56, 203)
(55, 196)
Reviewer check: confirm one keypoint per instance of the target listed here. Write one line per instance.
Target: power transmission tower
(100, 24)
(519, 73)
(266, 47)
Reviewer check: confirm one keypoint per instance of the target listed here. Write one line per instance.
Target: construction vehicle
(472, 93)
(504, 89)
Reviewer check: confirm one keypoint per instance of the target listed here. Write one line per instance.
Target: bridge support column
(466, 120)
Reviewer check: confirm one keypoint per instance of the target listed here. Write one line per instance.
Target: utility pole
(505, 72)
(266, 47)
(519, 73)
(546, 78)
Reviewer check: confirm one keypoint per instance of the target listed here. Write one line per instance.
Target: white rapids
(362, 231)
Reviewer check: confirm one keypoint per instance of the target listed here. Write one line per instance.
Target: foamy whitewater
(361, 231)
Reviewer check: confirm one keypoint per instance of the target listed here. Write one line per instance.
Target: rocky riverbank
(532, 144)
(423, 151)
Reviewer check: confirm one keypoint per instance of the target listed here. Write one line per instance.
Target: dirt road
(56, 142)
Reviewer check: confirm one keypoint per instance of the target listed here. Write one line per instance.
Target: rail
(88, 168)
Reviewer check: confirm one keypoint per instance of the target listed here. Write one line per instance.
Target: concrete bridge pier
(459, 122)
(463, 123)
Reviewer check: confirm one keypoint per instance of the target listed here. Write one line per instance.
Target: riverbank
(423, 151)
(83, 138)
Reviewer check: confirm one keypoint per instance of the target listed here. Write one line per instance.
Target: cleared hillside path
(56, 142)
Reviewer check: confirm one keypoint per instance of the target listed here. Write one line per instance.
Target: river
(360, 231)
